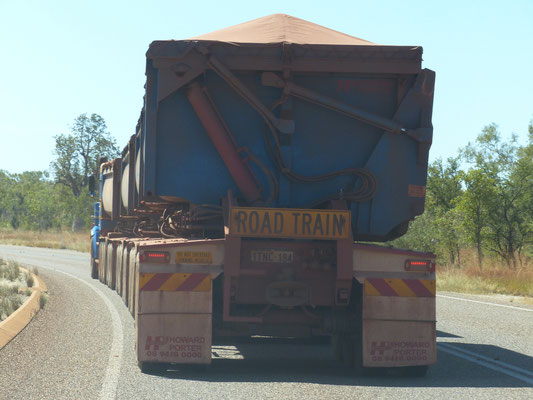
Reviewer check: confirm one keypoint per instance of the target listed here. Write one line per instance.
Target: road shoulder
(492, 299)
(16, 322)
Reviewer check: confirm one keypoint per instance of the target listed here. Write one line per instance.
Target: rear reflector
(155, 257)
(419, 265)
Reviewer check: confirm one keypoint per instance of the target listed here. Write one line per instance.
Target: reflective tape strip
(400, 287)
(174, 282)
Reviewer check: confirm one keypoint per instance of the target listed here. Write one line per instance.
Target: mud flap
(174, 318)
(174, 338)
(398, 343)
(399, 324)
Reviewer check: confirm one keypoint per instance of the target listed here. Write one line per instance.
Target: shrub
(29, 279)
(43, 299)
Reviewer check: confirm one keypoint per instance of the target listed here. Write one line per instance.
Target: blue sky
(64, 58)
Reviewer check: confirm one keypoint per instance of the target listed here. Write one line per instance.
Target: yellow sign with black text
(194, 257)
(290, 223)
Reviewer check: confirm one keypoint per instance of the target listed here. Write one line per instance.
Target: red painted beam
(221, 140)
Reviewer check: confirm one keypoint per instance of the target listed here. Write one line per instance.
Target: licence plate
(290, 223)
(272, 256)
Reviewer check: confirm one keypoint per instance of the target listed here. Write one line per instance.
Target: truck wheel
(347, 351)
(150, 367)
(94, 269)
(94, 266)
(417, 371)
(357, 352)
(336, 345)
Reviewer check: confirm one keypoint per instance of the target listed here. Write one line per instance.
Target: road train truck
(268, 159)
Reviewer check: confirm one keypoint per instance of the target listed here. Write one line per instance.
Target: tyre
(150, 367)
(94, 265)
(352, 353)
(357, 354)
(417, 371)
(347, 353)
(336, 345)
(350, 343)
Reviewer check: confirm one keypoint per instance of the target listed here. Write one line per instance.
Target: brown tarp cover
(282, 28)
(275, 43)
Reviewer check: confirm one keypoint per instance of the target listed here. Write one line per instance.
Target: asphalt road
(81, 346)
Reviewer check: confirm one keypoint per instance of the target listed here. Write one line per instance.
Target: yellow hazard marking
(399, 286)
(205, 285)
(371, 290)
(174, 282)
(190, 282)
(144, 278)
(430, 285)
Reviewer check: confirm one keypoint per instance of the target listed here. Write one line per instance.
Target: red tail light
(155, 257)
(419, 265)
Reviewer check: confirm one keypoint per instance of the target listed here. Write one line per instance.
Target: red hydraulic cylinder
(221, 139)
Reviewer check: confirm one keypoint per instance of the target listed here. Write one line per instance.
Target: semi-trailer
(268, 159)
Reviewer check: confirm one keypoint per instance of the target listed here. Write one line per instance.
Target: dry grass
(51, 239)
(43, 299)
(13, 290)
(494, 278)
(16, 287)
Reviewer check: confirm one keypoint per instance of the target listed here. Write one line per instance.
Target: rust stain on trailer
(174, 282)
(400, 287)
(416, 191)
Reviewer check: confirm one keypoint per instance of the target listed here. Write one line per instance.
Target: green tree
(76, 158)
(474, 207)
(420, 236)
(489, 206)
(444, 189)
(8, 201)
(521, 179)
(444, 183)
(77, 154)
(28, 200)
(497, 195)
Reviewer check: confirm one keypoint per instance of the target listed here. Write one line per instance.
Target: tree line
(58, 198)
(480, 199)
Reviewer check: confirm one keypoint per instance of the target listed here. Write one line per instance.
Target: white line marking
(491, 364)
(112, 372)
(485, 302)
(488, 359)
